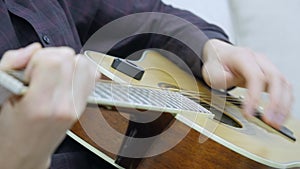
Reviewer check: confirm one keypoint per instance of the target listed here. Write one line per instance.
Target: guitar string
(185, 104)
(200, 96)
(171, 101)
(190, 94)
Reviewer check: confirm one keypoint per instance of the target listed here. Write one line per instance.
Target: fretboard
(121, 95)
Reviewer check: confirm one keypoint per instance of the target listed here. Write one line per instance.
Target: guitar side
(253, 140)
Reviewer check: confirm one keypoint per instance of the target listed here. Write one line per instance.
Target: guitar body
(205, 142)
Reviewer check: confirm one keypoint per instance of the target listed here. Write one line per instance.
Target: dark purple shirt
(72, 22)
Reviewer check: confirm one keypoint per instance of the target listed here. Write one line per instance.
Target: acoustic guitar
(190, 125)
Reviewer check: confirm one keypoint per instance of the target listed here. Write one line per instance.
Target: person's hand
(32, 126)
(227, 66)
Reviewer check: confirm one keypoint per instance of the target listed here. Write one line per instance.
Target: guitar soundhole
(220, 116)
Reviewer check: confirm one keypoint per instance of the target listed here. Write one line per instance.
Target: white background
(271, 27)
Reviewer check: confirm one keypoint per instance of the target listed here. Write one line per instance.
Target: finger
(279, 107)
(280, 92)
(84, 77)
(50, 66)
(53, 54)
(255, 80)
(286, 103)
(218, 77)
(255, 85)
(267, 68)
(18, 59)
(274, 90)
(213, 74)
(51, 74)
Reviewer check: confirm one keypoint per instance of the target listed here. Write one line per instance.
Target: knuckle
(54, 62)
(41, 113)
(67, 52)
(247, 51)
(65, 113)
(59, 52)
(9, 53)
(259, 76)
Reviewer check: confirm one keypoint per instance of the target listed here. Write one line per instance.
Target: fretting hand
(32, 126)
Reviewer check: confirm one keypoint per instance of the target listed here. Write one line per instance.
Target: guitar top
(152, 85)
(250, 138)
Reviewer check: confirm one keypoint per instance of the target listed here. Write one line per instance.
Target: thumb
(18, 59)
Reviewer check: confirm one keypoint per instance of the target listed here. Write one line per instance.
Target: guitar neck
(108, 93)
(138, 97)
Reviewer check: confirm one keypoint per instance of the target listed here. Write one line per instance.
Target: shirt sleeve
(210, 30)
(187, 48)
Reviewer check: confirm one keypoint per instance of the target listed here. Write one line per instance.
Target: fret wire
(176, 100)
(138, 95)
(157, 99)
(173, 99)
(170, 104)
(119, 93)
(102, 92)
(177, 105)
(134, 99)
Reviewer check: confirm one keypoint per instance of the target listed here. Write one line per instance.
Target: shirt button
(46, 39)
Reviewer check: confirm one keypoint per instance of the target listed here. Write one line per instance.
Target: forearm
(30, 133)
(16, 152)
(180, 32)
(144, 24)
(192, 58)
(210, 30)
(10, 161)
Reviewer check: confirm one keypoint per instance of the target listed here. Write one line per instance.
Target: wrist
(214, 48)
(13, 161)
